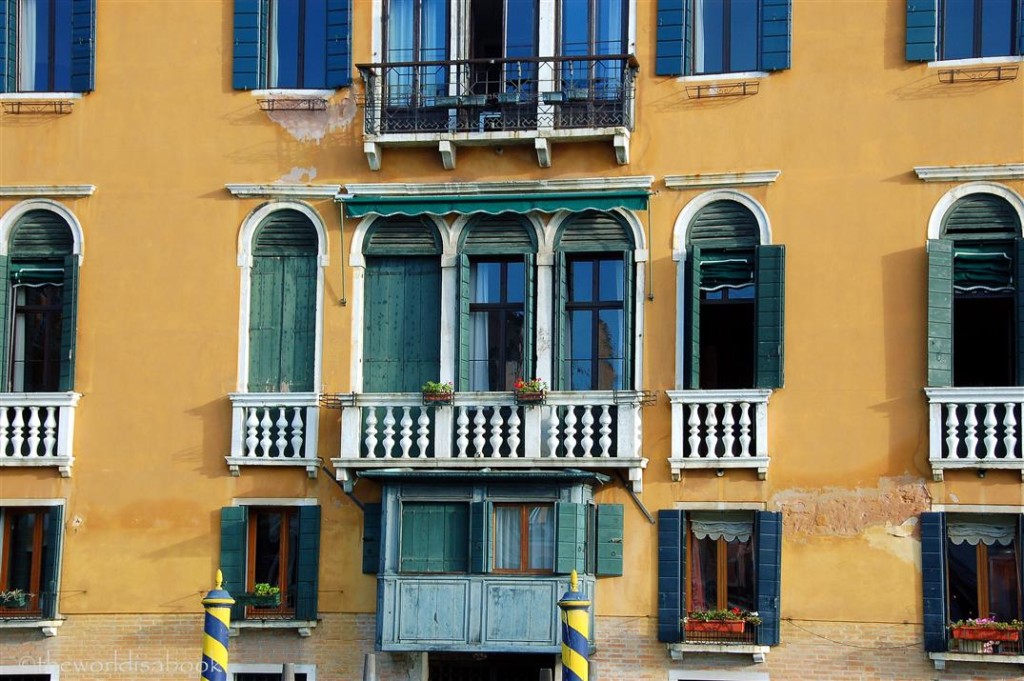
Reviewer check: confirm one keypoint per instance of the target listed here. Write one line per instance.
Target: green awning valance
(493, 204)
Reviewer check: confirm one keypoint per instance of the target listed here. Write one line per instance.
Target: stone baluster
(478, 432)
(1010, 431)
(570, 431)
(952, 438)
(462, 441)
(5, 439)
(423, 430)
(297, 433)
(971, 431)
(389, 432)
(49, 431)
(371, 432)
(496, 438)
(553, 432)
(33, 431)
(282, 432)
(265, 424)
(405, 439)
(18, 431)
(990, 431)
(728, 435)
(694, 423)
(711, 431)
(745, 429)
(587, 441)
(513, 432)
(605, 441)
(251, 424)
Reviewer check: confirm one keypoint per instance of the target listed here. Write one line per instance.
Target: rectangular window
(273, 552)
(496, 323)
(725, 35)
(434, 537)
(727, 319)
(36, 355)
(595, 329)
(977, 28)
(524, 538)
(44, 45)
(28, 562)
(721, 565)
(983, 569)
(298, 44)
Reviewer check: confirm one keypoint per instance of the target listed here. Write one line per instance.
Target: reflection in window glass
(976, 28)
(496, 321)
(595, 343)
(725, 36)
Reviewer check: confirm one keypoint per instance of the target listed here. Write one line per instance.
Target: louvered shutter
(672, 48)
(940, 312)
(339, 44)
(671, 574)
(298, 328)
(372, 514)
(933, 580)
(266, 320)
(249, 70)
(922, 18)
(768, 571)
(69, 323)
(609, 540)
(308, 563)
(776, 29)
(464, 343)
(403, 236)
(83, 45)
(5, 321)
(50, 567)
(499, 234)
(232, 554)
(570, 537)
(693, 321)
(770, 311)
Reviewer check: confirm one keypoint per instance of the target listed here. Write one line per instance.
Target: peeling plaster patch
(892, 507)
(881, 538)
(299, 176)
(955, 498)
(311, 126)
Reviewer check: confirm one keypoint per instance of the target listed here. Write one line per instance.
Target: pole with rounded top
(218, 604)
(575, 633)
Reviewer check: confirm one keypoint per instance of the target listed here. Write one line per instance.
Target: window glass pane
(37, 337)
(963, 580)
(521, 28)
(542, 538)
(434, 37)
(508, 533)
(400, 22)
(511, 365)
(266, 569)
(704, 574)
(485, 282)
(34, 45)
(284, 43)
(609, 334)
(581, 281)
(575, 27)
(314, 45)
(743, 35)
(996, 28)
(21, 550)
(709, 38)
(740, 571)
(958, 29)
(1002, 582)
(516, 282)
(610, 283)
(609, 27)
(479, 351)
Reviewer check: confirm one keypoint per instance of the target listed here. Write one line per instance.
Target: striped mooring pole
(575, 633)
(218, 604)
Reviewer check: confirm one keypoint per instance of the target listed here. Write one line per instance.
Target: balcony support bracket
(543, 147)
(372, 151)
(447, 149)
(621, 143)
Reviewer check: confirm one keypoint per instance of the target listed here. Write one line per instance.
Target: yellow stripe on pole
(575, 633)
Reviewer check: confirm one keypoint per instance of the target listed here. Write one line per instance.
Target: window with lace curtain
(524, 538)
(721, 564)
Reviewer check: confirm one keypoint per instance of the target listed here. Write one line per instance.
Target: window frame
(504, 306)
(73, 73)
(524, 538)
(289, 515)
(977, 37)
(721, 569)
(44, 559)
(726, 41)
(466, 540)
(596, 306)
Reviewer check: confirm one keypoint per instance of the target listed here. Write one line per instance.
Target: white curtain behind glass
(698, 36)
(507, 533)
(542, 538)
(479, 378)
(27, 45)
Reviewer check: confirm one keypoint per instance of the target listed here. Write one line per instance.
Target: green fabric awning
(726, 270)
(36, 275)
(493, 204)
(982, 268)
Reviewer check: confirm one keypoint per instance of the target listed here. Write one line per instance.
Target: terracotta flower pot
(717, 626)
(985, 634)
(530, 396)
(437, 398)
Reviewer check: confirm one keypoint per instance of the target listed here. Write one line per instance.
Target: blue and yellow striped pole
(215, 633)
(575, 633)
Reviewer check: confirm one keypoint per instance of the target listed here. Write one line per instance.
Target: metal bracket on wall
(979, 74)
(46, 106)
(741, 88)
(293, 104)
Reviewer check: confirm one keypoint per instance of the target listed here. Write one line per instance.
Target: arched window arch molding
(245, 248)
(685, 219)
(555, 227)
(956, 193)
(11, 217)
(362, 231)
(463, 224)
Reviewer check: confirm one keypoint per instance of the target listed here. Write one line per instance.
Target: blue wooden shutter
(69, 323)
(8, 45)
(5, 312)
(770, 274)
(768, 571)
(83, 45)
(49, 572)
(933, 580)
(570, 537)
(464, 345)
(776, 34)
(250, 60)
(479, 537)
(922, 18)
(672, 56)
(232, 553)
(940, 312)
(371, 538)
(609, 540)
(339, 44)
(693, 262)
(671, 573)
(308, 568)
(1019, 282)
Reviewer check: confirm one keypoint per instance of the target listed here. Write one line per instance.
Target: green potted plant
(263, 595)
(731, 621)
(986, 629)
(532, 391)
(435, 392)
(15, 598)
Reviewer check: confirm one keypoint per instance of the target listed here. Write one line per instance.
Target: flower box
(716, 626)
(13, 600)
(437, 398)
(252, 600)
(528, 397)
(986, 634)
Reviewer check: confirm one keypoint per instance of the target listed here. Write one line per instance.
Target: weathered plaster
(312, 126)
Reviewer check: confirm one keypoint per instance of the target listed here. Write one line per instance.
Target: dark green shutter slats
(464, 345)
(693, 318)
(479, 537)
(50, 577)
(672, 55)
(308, 569)
(434, 537)
(940, 312)
(249, 69)
(561, 378)
(609, 539)
(593, 231)
(8, 45)
(41, 233)
(776, 30)
(770, 311)
(529, 307)
(68, 323)
(981, 216)
(922, 17)
(1019, 303)
(83, 45)
(371, 538)
(628, 313)
(570, 537)
(671, 573)
(298, 332)
(933, 580)
(504, 233)
(403, 236)
(339, 44)
(768, 571)
(232, 553)
(286, 232)
(5, 320)
(724, 224)
(265, 322)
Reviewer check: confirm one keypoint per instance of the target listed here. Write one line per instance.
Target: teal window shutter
(768, 571)
(8, 45)
(464, 296)
(308, 567)
(570, 537)
(83, 45)
(69, 323)
(770, 310)
(776, 34)
(560, 378)
(609, 540)
(480, 536)
(628, 313)
(232, 553)
(673, 43)
(435, 537)
(693, 321)
(49, 571)
(940, 312)
(249, 69)
(298, 330)
(922, 19)
(671, 574)
(371, 539)
(1019, 281)
(933, 580)
(529, 311)
(339, 43)
(5, 317)
(266, 320)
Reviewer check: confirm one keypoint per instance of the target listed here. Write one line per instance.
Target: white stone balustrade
(594, 429)
(274, 429)
(719, 429)
(37, 429)
(978, 428)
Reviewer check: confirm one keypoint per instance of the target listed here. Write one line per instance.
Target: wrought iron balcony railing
(494, 95)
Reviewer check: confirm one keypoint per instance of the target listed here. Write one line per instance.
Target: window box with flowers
(530, 392)
(731, 621)
(14, 599)
(263, 595)
(437, 393)
(986, 629)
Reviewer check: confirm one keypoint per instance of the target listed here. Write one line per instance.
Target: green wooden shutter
(69, 323)
(922, 17)
(50, 568)
(933, 580)
(768, 571)
(371, 538)
(298, 324)
(249, 70)
(464, 347)
(671, 574)
(308, 567)
(770, 273)
(499, 234)
(693, 321)
(1019, 283)
(480, 536)
(41, 233)
(940, 312)
(570, 537)
(529, 311)
(672, 47)
(5, 321)
(629, 303)
(435, 537)
(232, 553)
(83, 45)
(776, 27)
(339, 43)
(265, 323)
(609, 540)
(560, 379)
(8, 45)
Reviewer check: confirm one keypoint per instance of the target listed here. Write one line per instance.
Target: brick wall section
(167, 648)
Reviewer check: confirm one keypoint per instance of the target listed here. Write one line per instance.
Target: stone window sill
(303, 628)
(47, 627)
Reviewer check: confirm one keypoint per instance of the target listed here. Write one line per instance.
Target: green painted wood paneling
(570, 537)
(922, 17)
(68, 323)
(480, 536)
(464, 345)
(671, 574)
(371, 538)
(308, 563)
(933, 581)
(940, 312)
(495, 204)
(770, 273)
(981, 216)
(693, 264)
(768, 574)
(40, 233)
(529, 312)
(434, 537)
(402, 235)
(232, 553)
(499, 234)
(286, 232)
(609, 539)
(282, 323)
(49, 578)
(5, 320)
(724, 224)
(594, 231)
(1019, 283)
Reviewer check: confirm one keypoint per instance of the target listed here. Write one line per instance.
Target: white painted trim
(738, 75)
(506, 187)
(291, 93)
(752, 178)
(245, 237)
(283, 191)
(268, 668)
(45, 190)
(973, 61)
(274, 502)
(716, 675)
(29, 503)
(52, 669)
(1003, 171)
(38, 96)
(976, 508)
(940, 659)
(11, 217)
(960, 191)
